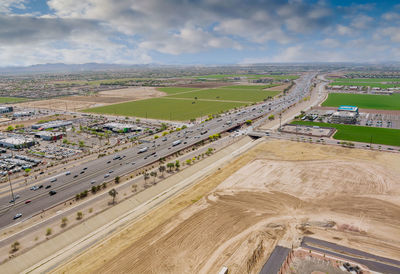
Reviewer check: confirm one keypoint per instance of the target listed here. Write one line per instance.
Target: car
(68, 173)
(93, 182)
(111, 171)
(76, 175)
(18, 215)
(34, 188)
(82, 172)
(116, 157)
(53, 180)
(41, 172)
(108, 162)
(52, 192)
(41, 186)
(107, 175)
(84, 168)
(133, 163)
(184, 143)
(27, 201)
(47, 187)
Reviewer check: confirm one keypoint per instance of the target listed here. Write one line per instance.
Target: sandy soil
(278, 88)
(204, 85)
(276, 192)
(74, 103)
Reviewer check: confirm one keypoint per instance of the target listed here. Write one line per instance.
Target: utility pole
(280, 121)
(12, 192)
(370, 143)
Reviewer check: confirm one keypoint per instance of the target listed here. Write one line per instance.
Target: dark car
(41, 172)
(28, 201)
(41, 186)
(84, 168)
(82, 172)
(108, 162)
(76, 175)
(47, 187)
(52, 192)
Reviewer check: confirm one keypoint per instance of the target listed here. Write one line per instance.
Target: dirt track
(276, 192)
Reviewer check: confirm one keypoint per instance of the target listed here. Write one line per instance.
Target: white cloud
(7, 5)
(391, 16)
(344, 30)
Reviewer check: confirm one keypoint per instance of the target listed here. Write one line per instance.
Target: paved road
(275, 260)
(81, 178)
(373, 262)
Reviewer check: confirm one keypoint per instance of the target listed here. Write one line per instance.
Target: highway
(108, 167)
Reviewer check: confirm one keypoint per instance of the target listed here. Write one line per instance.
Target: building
(6, 109)
(23, 114)
(348, 108)
(49, 136)
(52, 124)
(17, 142)
(120, 127)
(336, 87)
(344, 117)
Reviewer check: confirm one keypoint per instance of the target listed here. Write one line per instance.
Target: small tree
(170, 166)
(154, 174)
(10, 128)
(146, 176)
(48, 231)
(94, 189)
(177, 164)
(117, 180)
(248, 122)
(81, 143)
(64, 222)
(15, 246)
(271, 117)
(79, 215)
(188, 161)
(113, 193)
(161, 169)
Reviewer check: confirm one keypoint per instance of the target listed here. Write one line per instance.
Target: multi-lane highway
(67, 183)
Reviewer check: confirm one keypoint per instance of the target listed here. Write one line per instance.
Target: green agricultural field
(259, 87)
(228, 94)
(175, 90)
(387, 102)
(166, 109)
(4, 100)
(383, 136)
(366, 80)
(249, 76)
(373, 85)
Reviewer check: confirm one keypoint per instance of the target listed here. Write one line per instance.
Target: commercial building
(344, 117)
(49, 136)
(6, 109)
(52, 124)
(348, 108)
(23, 114)
(120, 127)
(17, 142)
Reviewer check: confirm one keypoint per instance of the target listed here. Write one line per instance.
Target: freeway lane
(67, 186)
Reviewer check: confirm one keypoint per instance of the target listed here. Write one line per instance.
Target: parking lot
(379, 120)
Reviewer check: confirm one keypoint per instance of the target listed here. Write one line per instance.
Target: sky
(188, 32)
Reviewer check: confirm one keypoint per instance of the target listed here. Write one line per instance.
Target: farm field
(175, 90)
(166, 109)
(229, 94)
(4, 100)
(386, 102)
(383, 136)
(250, 76)
(368, 82)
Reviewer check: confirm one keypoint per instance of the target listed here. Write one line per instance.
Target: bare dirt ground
(276, 192)
(278, 88)
(74, 103)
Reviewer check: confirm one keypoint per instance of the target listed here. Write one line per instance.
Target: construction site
(273, 194)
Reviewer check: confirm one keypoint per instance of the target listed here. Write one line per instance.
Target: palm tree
(146, 176)
(113, 193)
(161, 169)
(116, 180)
(154, 174)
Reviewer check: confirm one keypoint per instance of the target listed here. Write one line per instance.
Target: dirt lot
(278, 88)
(205, 85)
(74, 103)
(276, 192)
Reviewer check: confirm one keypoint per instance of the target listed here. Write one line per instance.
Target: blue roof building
(348, 108)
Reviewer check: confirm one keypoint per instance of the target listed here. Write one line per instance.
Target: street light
(12, 192)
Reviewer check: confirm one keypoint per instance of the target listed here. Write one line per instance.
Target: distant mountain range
(61, 67)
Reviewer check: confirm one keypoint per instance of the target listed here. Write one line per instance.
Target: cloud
(391, 16)
(7, 5)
